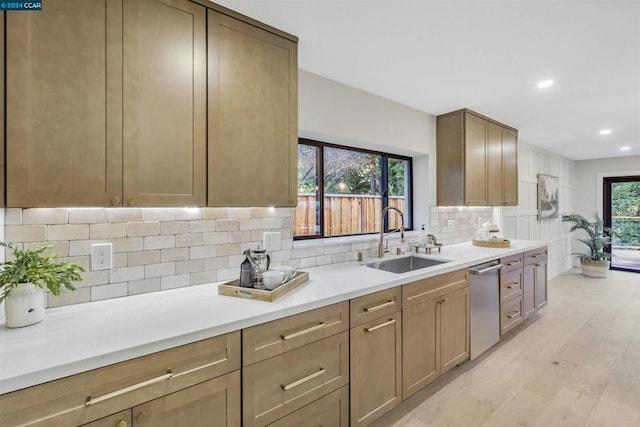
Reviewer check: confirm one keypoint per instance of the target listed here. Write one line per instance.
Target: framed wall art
(548, 197)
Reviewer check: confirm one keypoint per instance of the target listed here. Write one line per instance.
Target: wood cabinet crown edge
(247, 19)
(482, 116)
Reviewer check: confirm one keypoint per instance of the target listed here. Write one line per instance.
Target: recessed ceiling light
(605, 132)
(626, 148)
(545, 83)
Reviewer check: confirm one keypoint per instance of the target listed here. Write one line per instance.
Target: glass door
(622, 214)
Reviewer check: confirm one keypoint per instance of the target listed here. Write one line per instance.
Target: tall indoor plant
(23, 278)
(596, 262)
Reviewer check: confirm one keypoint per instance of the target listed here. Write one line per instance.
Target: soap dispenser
(422, 237)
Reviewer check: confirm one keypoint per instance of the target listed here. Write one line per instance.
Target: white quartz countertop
(82, 337)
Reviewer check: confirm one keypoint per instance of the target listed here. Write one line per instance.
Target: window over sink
(341, 190)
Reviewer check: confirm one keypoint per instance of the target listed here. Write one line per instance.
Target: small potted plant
(596, 262)
(22, 281)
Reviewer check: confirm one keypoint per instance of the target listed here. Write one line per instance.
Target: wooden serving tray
(493, 243)
(232, 289)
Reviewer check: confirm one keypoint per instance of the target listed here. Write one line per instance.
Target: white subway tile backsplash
(126, 273)
(119, 260)
(143, 257)
(307, 262)
(216, 237)
(13, 216)
(228, 249)
(250, 224)
(25, 233)
(202, 277)
(197, 252)
(186, 240)
(127, 244)
(215, 213)
(190, 266)
(113, 290)
(68, 232)
(88, 216)
(45, 216)
(271, 223)
(125, 215)
(232, 273)
(202, 226)
(159, 214)
(159, 270)
(176, 281)
(78, 296)
(137, 229)
(159, 242)
(188, 214)
(144, 286)
(174, 227)
(239, 213)
(239, 236)
(106, 231)
(174, 254)
(228, 225)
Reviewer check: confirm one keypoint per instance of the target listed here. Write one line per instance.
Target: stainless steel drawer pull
(509, 264)
(513, 285)
(514, 314)
(129, 389)
(380, 326)
(379, 307)
(536, 255)
(317, 327)
(316, 374)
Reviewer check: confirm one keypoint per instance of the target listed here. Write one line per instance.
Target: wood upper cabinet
(107, 106)
(164, 103)
(64, 104)
(253, 129)
(376, 368)
(476, 161)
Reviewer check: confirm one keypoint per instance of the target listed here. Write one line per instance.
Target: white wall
(589, 173)
(329, 111)
(521, 222)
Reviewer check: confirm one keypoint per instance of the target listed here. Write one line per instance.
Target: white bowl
(287, 270)
(272, 279)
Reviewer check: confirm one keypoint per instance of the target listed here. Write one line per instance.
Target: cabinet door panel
(529, 289)
(252, 115)
(64, 134)
(475, 180)
(494, 165)
(420, 346)
(164, 103)
(454, 330)
(541, 284)
(213, 403)
(376, 369)
(510, 167)
(329, 411)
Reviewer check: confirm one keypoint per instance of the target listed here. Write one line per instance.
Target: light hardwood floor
(577, 363)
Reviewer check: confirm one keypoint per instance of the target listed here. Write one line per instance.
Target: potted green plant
(595, 263)
(23, 279)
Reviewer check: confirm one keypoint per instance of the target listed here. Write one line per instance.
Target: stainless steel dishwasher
(484, 284)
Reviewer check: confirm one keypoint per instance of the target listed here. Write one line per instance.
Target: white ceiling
(439, 56)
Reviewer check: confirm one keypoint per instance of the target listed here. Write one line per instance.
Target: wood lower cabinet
(477, 161)
(376, 368)
(535, 280)
(529, 291)
(329, 411)
(540, 274)
(253, 102)
(121, 419)
(115, 389)
(435, 328)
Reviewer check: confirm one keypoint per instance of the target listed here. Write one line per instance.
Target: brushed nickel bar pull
(90, 401)
(514, 314)
(316, 374)
(380, 326)
(432, 291)
(513, 285)
(317, 327)
(379, 307)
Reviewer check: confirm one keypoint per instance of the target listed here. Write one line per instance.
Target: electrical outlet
(101, 254)
(271, 241)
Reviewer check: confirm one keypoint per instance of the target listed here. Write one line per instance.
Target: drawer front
(120, 386)
(274, 338)
(329, 411)
(510, 315)
(535, 255)
(373, 306)
(283, 384)
(510, 285)
(511, 263)
(433, 287)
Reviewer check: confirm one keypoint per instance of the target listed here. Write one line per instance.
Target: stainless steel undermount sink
(405, 264)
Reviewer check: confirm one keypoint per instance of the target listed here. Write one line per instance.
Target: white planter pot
(25, 306)
(595, 268)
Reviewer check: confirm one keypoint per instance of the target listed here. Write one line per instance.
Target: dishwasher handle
(478, 272)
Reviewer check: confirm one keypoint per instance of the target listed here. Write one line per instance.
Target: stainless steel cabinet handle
(379, 307)
(514, 314)
(380, 326)
(485, 270)
(513, 285)
(289, 386)
(90, 401)
(321, 325)
(509, 264)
